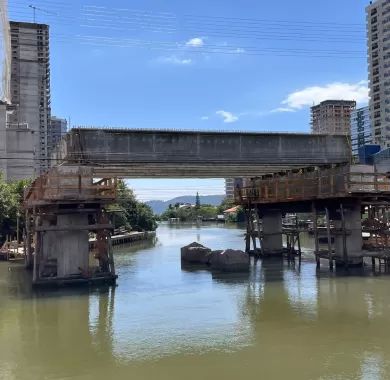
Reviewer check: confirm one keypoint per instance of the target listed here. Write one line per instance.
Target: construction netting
(5, 52)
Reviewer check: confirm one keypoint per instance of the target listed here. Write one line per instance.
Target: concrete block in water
(230, 261)
(195, 253)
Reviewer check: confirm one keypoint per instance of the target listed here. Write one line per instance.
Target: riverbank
(126, 238)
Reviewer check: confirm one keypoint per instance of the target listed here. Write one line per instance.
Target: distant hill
(159, 207)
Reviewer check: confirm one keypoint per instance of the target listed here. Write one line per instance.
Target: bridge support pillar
(272, 232)
(349, 243)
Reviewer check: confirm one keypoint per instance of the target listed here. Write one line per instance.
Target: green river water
(165, 323)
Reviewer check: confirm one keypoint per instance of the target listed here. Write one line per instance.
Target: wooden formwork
(339, 182)
(63, 208)
(332, 192)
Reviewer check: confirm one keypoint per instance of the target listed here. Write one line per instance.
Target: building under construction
(30, 91)
(332, 117)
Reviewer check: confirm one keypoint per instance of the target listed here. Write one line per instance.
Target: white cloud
(173, 60)
(282, 109)
(333, 91)
(239, 51)
(195, 42)
(227, 117)
(204, 118)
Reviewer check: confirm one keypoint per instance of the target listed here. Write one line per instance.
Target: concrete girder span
(189, 154)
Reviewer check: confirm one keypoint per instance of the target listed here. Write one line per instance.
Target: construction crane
(35, 9)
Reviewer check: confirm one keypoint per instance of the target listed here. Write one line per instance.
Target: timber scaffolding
(346, 202)
(63, 208)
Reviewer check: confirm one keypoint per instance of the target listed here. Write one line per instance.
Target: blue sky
(232, 65)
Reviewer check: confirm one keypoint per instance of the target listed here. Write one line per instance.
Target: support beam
(315, 229)
(329, 238)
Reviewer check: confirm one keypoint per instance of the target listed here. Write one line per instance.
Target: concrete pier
(272, 232)
(348, 245)
(65, 253)
(62, 208)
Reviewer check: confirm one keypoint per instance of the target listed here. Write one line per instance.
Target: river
(165, 323)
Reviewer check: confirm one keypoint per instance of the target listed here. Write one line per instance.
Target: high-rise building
(378, 36)
(57, 129)
(30, 86)
(332, 117)
(230, 186)
(360, 129)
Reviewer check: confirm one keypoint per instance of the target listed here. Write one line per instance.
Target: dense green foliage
(11, 197)
(206, 212)
(130, 213)
(188, 214)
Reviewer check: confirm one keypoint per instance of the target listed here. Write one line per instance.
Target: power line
(215, 20)
(93, 40)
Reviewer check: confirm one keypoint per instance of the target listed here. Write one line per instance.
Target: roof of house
(231, 210)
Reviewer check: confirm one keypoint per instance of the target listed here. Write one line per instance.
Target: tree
(131, 213)
(197, 201)
(11, 198)
(226, 204)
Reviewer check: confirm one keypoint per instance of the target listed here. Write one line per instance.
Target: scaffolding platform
(63, 208)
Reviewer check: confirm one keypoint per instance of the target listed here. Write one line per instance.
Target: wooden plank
(111, 256)
(315, 228)
(248, 232)
(345, 251)
(329, 238)
(259, 231)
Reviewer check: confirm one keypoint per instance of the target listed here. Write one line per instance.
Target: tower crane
(35, 9)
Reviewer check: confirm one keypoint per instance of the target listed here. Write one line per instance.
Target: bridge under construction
(289, 173)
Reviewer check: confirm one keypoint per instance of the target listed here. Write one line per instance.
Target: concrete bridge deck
(189, 154)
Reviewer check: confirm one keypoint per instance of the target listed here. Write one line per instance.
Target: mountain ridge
(159, 206)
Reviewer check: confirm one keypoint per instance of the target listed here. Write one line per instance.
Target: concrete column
(69, 249)
(75, 246)
(354, 240)
(272, 231)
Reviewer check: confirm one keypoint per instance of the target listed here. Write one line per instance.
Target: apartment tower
(332, 117)
(378, 36)
(30, 87)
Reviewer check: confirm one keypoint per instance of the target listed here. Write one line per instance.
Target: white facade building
(378, 36)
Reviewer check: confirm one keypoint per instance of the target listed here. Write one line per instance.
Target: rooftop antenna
(35, 9)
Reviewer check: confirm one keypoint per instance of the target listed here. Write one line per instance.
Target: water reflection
(162, 322)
